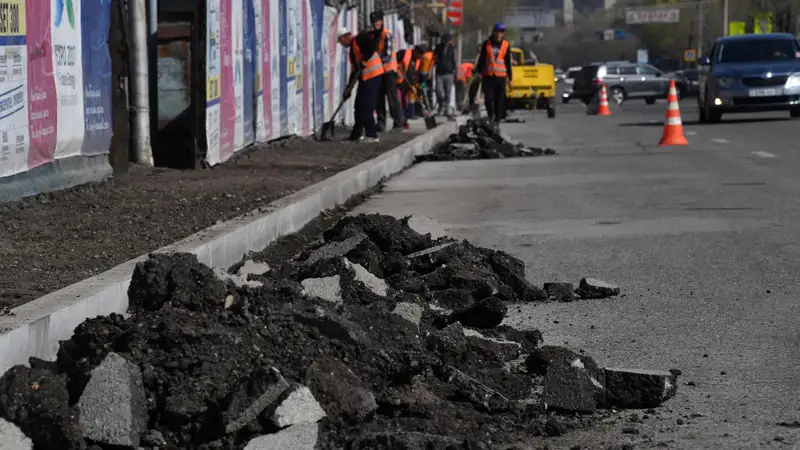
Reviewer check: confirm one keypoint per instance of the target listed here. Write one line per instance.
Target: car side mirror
(704, 61)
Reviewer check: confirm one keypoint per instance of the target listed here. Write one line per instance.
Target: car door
(629, 80)
(650, 82)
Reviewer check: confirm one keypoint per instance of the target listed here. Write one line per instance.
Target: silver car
(623, 81)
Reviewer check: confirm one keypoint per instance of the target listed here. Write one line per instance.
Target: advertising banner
(55, 81)
(640, 16)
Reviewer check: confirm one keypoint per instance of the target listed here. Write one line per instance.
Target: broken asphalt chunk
(476, 392)
(327, 288)
(590, 288)
(511, 271)
(113, 406)
(638, 388)
(572, 388)
(12, 438)
(560, 292)
(262, 387)
(540, 359)
(297, 406)
(484, 313)
(340, 390)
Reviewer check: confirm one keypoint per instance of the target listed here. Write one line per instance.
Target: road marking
(763, 154)
(721, 141)
(690, 133)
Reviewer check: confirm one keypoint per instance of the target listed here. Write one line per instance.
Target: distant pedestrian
(494, 67)
(365, 61)
(445, 58)
(463, 77)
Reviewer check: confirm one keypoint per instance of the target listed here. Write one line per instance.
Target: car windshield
(752, 50)
(573, 73)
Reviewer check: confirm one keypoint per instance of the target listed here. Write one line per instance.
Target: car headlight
(725, 82)
(793, 81)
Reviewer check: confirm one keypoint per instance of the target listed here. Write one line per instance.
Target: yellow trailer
(533, 85)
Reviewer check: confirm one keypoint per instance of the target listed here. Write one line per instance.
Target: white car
(569, 80)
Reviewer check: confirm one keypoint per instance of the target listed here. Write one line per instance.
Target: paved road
(704, 241)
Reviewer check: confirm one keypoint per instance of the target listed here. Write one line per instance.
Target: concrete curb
(38, 326)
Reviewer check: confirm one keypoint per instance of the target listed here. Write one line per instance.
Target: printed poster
(237, 53)
(227, 100)
(68, 63)
(248, 83)
(282, 79)
(97, 87)
(261, 55)
(13, 88)
(275, 61)
(213, 75)
(42, 97)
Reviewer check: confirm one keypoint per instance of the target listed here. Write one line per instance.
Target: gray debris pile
(374, 337)
(478, 139)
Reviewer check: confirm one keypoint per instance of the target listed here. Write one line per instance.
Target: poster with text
(96, 18)
(13, 88)
(213, 75)
(259, 57)
(237, 62)
(227, 99)
(42, 101)
(248, 83)
(67, 57)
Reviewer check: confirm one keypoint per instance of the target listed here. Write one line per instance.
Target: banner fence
(274, 69)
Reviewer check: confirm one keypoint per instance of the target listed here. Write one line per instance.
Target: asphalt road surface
(704, 241)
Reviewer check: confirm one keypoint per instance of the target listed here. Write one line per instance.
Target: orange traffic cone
(603, 109)
(673, 127)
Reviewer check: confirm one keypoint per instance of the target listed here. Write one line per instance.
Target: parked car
(623, 80)
(569, 81)
(750, 73)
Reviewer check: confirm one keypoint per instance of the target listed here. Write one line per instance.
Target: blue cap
(499, 27)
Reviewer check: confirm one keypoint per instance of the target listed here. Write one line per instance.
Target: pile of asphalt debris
(479, 139)
(374, 337)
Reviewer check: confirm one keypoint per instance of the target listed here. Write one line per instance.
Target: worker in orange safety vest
(388, 92)
(463, 77)
(494, 68)
(427, 60)
(406, 80)
(367, 65)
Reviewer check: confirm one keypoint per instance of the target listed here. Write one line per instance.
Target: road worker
(494, 67)
(463, 77)
(388, 91)
(475, 82)
(418, 51)
(426, 76)
(367, 66)
(406, 79)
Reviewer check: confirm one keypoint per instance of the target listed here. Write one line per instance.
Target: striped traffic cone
(603, 109)
(673, 127)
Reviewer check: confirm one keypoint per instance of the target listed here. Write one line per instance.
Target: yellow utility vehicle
(533, 85)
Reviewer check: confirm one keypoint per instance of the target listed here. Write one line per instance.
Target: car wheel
(794, 113)
(713, 115)
(650, 101)
(564, 100)
(617, 95)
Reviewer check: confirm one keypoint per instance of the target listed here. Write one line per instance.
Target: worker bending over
(494, 67)
(406, 80)
(368, 67)
(426, 76)
(463, 77)
(388, 89)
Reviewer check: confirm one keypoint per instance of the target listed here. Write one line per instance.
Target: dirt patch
(56, 239)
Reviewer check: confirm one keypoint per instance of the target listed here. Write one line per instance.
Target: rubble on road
(479, 139)
(376, 336)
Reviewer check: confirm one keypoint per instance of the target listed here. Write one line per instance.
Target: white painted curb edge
(38, 326)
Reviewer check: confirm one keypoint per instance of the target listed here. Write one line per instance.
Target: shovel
(476, 108)
(430, 120)
(328, 128)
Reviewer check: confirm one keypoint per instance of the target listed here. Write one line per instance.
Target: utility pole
(724, 17)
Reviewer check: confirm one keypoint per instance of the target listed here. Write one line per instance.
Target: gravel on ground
(52, 240)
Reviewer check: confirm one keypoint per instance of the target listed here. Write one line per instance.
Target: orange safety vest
(416, 65)
(374, 66)
(427, 63)
(465, 71)
(391, 65)
(404, 64)
(495, 67)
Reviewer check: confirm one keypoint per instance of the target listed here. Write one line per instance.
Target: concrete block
(425, 225)
(336, 249)
(346, 395)
(590, 288)
(12, 438)
(541, 359)
(113, 406)
(251, 267)
(502, 350)
(296, 437)
(327, 288)
(571, 388)
(638, 388)
(298, 406)
(375, 284)
(560, 292)
(411, 312)
(259, 389)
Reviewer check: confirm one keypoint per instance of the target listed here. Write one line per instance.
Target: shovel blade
(430, 122)
(326, 134)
